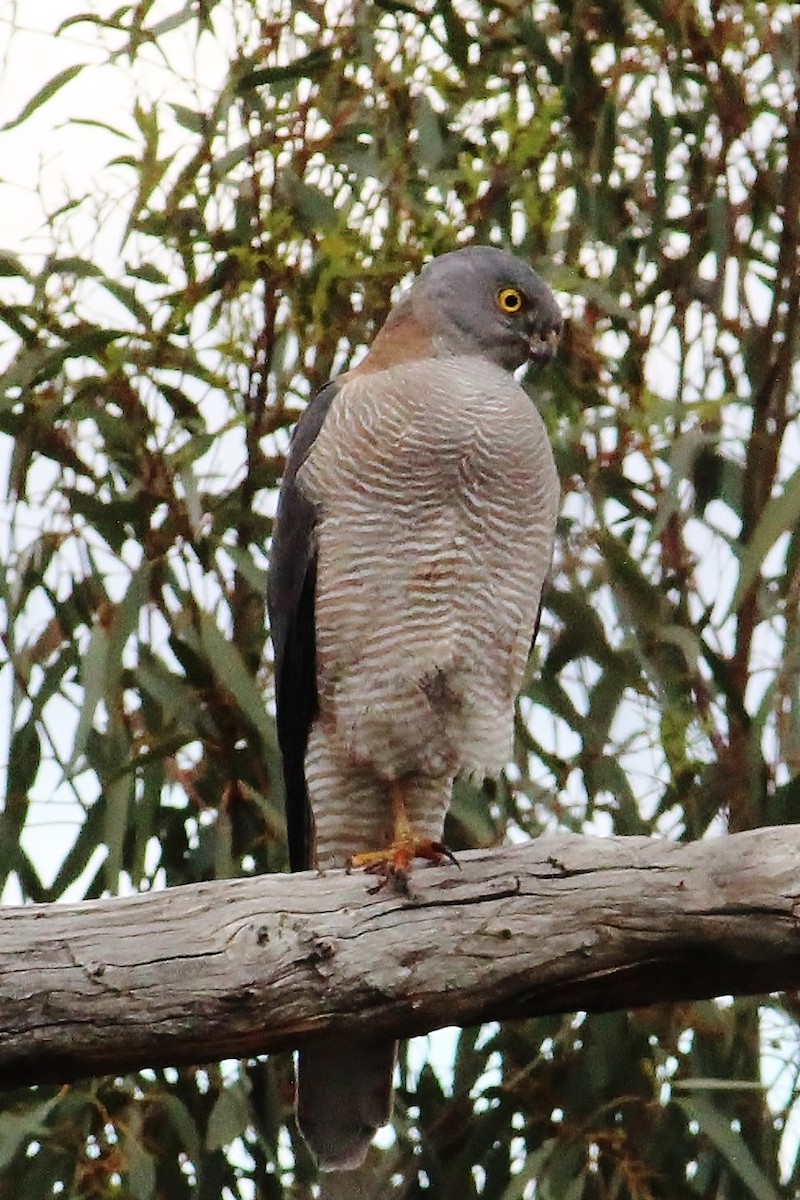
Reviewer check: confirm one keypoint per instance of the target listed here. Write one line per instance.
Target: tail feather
(344, 1094)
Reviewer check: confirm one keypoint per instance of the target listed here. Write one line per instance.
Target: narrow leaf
(11, 265)
(781, 515)
(231, 672)
(93, 680)
(118, 797)
(302, 68)
(229, 1118)
(44, 94)
(16, 1127)
(23, 764)
(730, 1144)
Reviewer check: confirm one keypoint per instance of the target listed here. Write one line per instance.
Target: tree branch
(239, 967)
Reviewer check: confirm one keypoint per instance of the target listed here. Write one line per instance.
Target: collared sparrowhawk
(413, 535)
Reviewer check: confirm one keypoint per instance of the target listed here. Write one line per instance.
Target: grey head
(483, 300)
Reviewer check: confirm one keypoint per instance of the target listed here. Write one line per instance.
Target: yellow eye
(510, 300)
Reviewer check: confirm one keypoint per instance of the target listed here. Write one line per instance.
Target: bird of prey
(413, 535)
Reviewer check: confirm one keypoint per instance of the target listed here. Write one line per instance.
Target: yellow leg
(395, 861)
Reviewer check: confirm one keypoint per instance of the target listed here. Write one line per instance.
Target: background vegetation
(646, 158)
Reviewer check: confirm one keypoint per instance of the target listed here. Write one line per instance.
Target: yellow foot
(394, 863)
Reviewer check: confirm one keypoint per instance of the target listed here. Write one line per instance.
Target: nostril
(542, 345)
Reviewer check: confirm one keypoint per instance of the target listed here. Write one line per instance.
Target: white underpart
(437, 497)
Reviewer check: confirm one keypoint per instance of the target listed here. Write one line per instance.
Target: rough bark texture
(239, 967)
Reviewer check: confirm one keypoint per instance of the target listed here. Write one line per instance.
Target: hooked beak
(542, 344)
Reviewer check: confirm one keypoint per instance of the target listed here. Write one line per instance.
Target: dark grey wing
(291, 587)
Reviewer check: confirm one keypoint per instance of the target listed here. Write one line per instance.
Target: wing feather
(291, 590)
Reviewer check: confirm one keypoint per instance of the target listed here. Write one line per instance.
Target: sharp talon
(395, 861)
(402, 882)
(393, 865)
(442, 852)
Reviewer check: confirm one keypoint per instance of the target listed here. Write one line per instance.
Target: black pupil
(511, 301)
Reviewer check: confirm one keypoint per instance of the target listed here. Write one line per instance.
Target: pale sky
(49, 152)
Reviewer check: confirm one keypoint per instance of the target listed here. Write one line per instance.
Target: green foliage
(644, 157)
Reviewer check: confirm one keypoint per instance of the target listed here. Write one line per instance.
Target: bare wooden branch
(240, 967)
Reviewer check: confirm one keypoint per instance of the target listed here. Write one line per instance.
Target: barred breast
(437, 494)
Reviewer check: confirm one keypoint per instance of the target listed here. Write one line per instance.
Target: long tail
(344, 1094)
